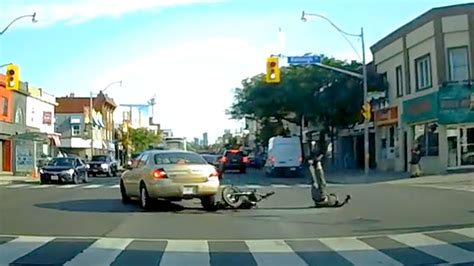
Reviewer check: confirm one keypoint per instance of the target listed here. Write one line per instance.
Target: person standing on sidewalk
(415, 161)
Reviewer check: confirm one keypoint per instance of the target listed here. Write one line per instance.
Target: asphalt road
(78, 217)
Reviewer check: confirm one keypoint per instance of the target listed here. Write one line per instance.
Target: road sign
(304, 60)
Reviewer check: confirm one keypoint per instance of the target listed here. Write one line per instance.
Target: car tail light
(245, 159)
(159, 174)
(233, 151)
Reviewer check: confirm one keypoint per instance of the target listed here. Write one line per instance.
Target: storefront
(387, 139)
(420, 118)
(456, 112)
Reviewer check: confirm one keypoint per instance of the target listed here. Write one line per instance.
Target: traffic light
(13, 77)
(273, 70)
(366, 111)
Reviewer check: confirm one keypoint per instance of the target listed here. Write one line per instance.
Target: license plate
(292, 168)
(94, 170)
(54, 177)
(188, 190)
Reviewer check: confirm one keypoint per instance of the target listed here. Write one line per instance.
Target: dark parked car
(213, 160)
(102, 164)
(64, 169)
(234, 160)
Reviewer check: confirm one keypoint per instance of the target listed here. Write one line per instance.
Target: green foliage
(142, 138)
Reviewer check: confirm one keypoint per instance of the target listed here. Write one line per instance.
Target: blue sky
(189, 53)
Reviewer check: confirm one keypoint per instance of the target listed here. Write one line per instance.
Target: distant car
(171, 175)
(234, 160)
(64, 169)
(256, 161)
(213, 160)
(102, 164)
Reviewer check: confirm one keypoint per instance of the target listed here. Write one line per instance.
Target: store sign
(47, 118)
(456, 104)
(420, 109)
(386, 116)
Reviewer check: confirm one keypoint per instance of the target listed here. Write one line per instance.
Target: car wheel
(43, 181)
(125, 198)
(86, 178)
(145, 200)
(75, 180)
(209, 203)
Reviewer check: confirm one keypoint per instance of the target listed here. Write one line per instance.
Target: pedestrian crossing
(32, 185)
(434, 248)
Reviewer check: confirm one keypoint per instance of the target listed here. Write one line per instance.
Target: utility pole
(91, 108)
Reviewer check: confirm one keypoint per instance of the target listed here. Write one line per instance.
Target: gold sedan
(170, 175)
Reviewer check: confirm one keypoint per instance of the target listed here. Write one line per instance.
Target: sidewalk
(6, 179)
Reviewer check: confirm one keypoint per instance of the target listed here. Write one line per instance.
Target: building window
(4, 106)
(76, 130)
(423, 72)
(399, 77)
(427, 136)
(458, 64)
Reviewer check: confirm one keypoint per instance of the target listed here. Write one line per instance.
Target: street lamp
(90, 112)
(33, 19)
(364, 77)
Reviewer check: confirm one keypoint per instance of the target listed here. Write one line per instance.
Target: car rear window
(234, 155)
(178, 158)
(99, 158)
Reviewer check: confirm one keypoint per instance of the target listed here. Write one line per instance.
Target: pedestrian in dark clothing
(415, 161)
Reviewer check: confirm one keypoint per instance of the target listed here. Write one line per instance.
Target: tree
(142, 138)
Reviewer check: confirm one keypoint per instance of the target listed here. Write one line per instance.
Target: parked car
(64, 169)
(234, 160)
(170, 175)
(102, 164)
(213, 160)
(256, 160)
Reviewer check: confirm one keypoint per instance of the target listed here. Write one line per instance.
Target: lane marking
(435, 247)
(358, 252)
(186, 252)
(19, 247)
(102, 252)
(92, 186)
(18, 185)
(273, 252)
(69, 186)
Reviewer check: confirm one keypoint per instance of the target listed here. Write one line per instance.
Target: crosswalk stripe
(69, 186)
(186, 252)
(114, 186)
(273, 252)
(469, 232)
(358, 252)
(18, 185)
(42, 186)
(252, 186)
(435, 247)
(101, 252)
(280, 186)
(17, 248)
(92, 186)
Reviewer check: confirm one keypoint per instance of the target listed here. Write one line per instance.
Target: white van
(284, 156)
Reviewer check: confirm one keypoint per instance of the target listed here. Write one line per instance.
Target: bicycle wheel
(228, 195)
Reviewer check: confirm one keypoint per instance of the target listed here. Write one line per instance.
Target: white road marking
(102, 252)
(114, 186)
(69, 186)
(42, 186)
(469, 232)
(280, 186)
(304, 185)
(273, 252)
(435, 247)
(92, 186)
(358, 252)
(251, 186)
(19, 247)
(186, 252)
(18, 185)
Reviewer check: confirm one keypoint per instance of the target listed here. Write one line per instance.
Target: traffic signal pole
(366, 118)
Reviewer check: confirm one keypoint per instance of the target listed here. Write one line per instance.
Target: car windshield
(62, 162)
(209, 158)
(235, 154)
(99, 158)
(178, 158)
